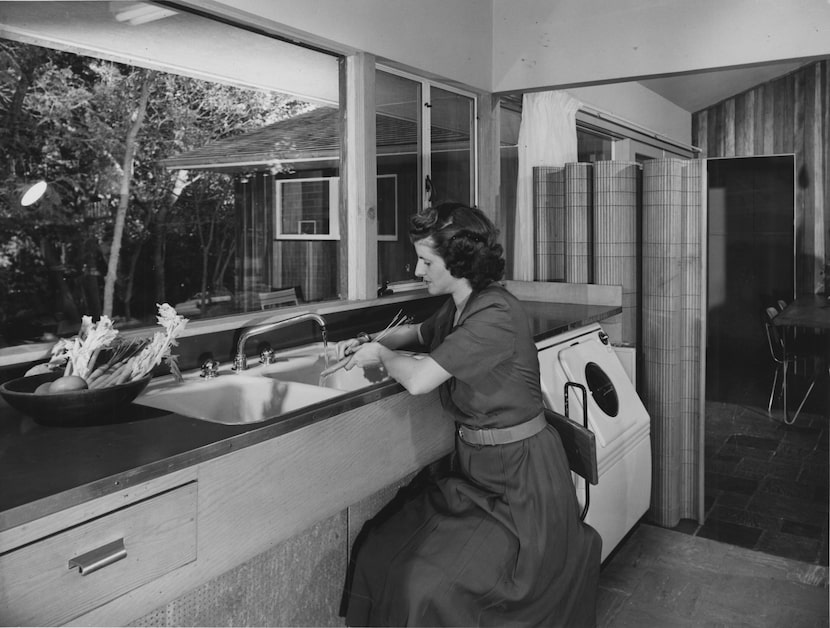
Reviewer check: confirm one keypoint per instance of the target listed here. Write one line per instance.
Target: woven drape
(672, 343)
(615, 237)
(585, 229)
(602, 198)
(548, 223)
(579, 203)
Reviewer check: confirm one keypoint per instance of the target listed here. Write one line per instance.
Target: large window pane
(398, 120)
(451, 133)
(182, 128)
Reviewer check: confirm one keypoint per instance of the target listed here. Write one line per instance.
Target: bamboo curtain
(585, 225)
(587, 231)
(672, 344)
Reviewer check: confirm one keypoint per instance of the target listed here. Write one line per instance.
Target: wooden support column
(358, 187)
(489, 165)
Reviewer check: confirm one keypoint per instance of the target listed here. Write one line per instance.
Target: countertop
(47, 469)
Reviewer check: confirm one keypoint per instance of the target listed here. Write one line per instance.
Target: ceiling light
(136, 13)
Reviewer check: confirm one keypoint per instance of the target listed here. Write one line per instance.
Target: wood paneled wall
(787, 115)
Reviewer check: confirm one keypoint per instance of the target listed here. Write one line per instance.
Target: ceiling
(696, 91)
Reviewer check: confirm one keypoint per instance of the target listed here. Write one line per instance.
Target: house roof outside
(313, 135)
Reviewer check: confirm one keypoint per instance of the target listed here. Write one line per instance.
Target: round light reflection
(33, 194)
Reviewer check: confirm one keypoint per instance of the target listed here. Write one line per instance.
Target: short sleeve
(483, 339)
(430, 327)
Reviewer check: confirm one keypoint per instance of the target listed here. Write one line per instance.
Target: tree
(130, 149)
(99, 131)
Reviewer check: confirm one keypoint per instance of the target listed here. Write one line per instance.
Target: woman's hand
(365, 354)
(345, 348)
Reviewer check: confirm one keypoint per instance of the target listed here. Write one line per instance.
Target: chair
(278, 298)
(783, 355)
(580, 446)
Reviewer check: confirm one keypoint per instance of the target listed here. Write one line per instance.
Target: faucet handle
(266, 356)
(210, 369)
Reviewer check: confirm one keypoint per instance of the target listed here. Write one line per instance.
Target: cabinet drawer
(57, 578)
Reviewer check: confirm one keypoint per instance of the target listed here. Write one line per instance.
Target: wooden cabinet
(54, 579)
(243, 503)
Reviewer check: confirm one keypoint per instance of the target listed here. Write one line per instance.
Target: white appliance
(617, 417)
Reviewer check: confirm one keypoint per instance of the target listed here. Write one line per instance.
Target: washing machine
(584, 358)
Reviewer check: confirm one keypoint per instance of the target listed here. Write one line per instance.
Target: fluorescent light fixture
(137, 13)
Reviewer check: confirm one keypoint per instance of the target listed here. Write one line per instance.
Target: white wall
(190, 45)
(633, 102)
(540, 43)
(579, 45)
(452, 39)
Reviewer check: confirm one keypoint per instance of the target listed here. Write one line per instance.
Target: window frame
(389, 237)
(334, 204)
(426, 126)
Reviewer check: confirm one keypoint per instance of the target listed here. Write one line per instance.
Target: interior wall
(635, 103)
(452, 40)
(540, 43)
(170, 42)
(788, 115)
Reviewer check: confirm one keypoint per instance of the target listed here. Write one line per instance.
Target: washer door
(613, 405)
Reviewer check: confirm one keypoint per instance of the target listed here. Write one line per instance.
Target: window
(426, 142)
(307, 209)
(228, 123)
(593, 146)
(387, 207)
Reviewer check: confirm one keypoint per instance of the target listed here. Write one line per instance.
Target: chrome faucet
(240, 362)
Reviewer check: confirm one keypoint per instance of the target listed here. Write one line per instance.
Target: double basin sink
(292, 381)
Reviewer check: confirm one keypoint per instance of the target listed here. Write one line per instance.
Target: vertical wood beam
(358, 188)
(489, 162)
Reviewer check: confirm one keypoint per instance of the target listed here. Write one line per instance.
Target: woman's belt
(502, 435)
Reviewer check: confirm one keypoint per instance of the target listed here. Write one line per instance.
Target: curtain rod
(606, 115)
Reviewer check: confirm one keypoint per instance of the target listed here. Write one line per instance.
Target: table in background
(808, 312)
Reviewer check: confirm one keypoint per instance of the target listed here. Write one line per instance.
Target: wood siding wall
(787, 115)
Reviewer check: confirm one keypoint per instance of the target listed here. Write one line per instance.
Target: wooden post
(358, 199)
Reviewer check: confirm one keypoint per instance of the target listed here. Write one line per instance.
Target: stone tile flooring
(662, 578)
(760, 558)
(766, 482)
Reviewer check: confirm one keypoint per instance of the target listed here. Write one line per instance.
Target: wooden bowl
(98, 406)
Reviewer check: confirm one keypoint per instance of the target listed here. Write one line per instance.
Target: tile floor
(760, 557)
(766, 482)
(662, 578)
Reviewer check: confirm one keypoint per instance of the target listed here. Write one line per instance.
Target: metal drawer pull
(98, 558)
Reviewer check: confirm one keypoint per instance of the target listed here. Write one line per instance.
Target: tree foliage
(77, 122)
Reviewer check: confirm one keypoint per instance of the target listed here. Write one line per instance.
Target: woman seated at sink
(498, 540)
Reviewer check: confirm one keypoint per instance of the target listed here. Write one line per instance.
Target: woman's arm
(419, 375)
(402, 336)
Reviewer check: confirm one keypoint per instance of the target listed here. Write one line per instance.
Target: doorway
(765, 482)
(751, 210)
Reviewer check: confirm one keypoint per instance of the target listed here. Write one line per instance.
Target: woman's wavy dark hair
(464, 238)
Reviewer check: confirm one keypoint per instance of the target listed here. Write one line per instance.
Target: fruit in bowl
(62, 384)
(92, 376)
(70, 407)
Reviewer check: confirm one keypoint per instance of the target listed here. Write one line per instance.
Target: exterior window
(307, 209)
(232, 188)
(592, 146)
(426, 145)
(387, 207)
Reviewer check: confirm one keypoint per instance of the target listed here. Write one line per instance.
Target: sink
(261, 392)
(233, 399)
(304, 366)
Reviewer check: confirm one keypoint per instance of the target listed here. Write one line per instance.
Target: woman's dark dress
(499, 542)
